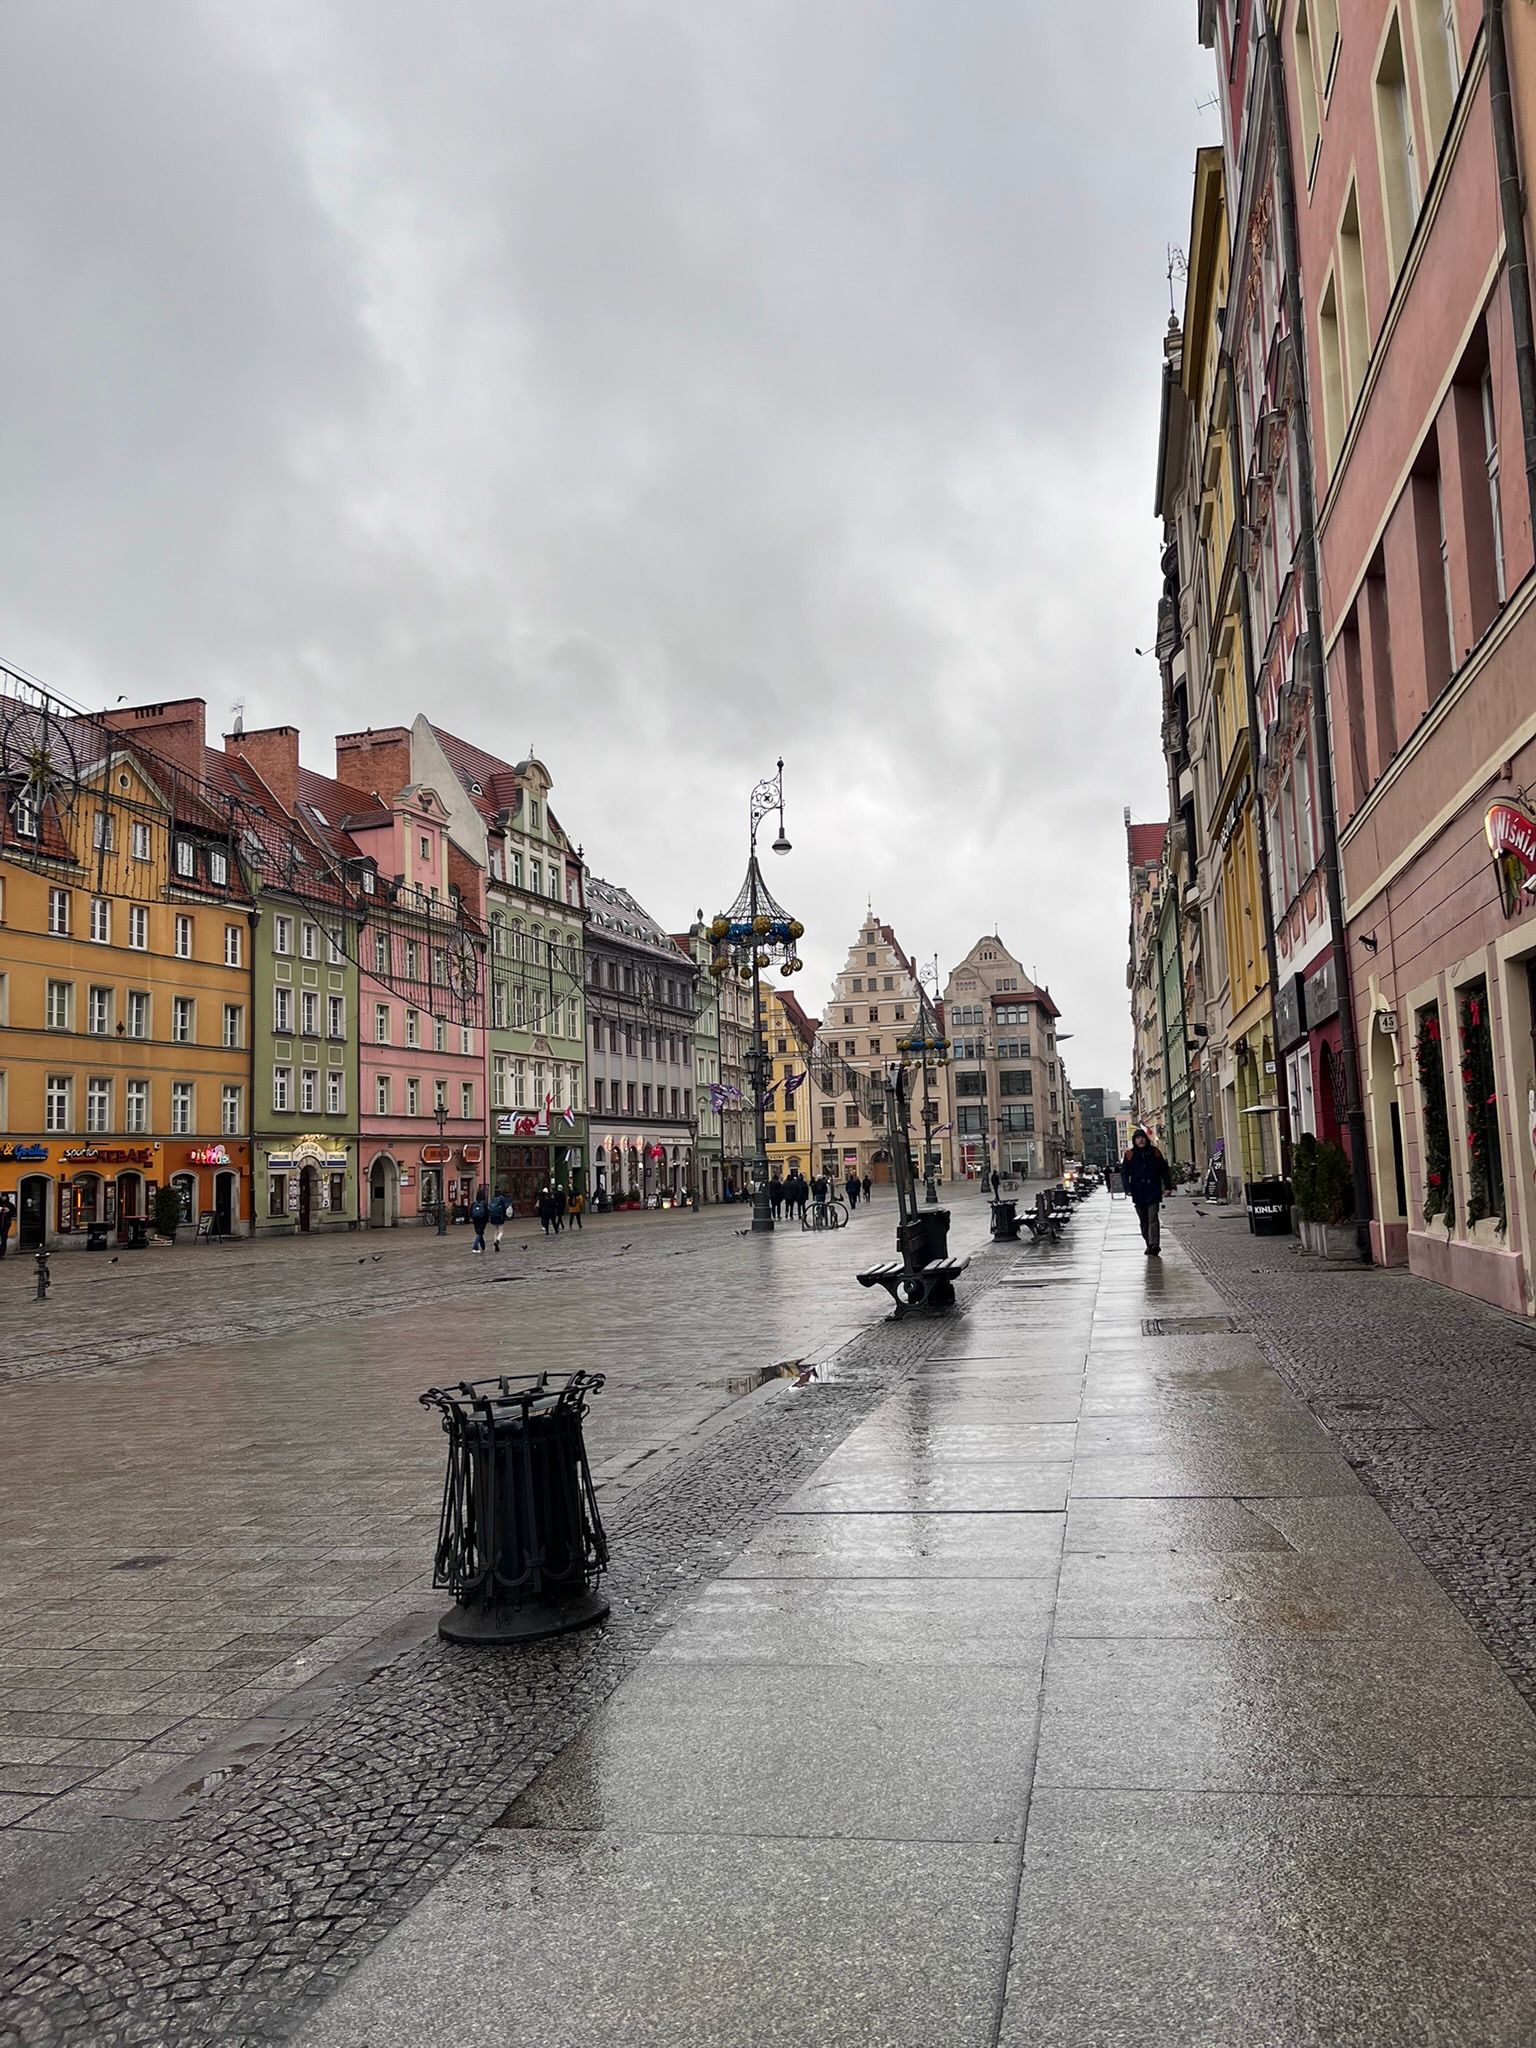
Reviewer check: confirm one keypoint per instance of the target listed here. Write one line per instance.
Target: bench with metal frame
(930, 1286)
(1050, 1214)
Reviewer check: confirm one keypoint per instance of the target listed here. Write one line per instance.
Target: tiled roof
(1146, 844)
(613, 912)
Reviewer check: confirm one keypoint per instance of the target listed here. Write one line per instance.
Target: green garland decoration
(1439, 1188)
(1485, 1194)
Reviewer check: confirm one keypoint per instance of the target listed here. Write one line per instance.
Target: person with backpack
(499, 1207)
(479, 1216)
(546, 1209)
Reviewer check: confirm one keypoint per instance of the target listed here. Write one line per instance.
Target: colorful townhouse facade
(125, 982)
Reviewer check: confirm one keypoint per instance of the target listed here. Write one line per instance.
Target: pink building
(421, 985)
(1415, 321)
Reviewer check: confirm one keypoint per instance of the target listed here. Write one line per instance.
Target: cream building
(1009, 1087)
(875, 1002)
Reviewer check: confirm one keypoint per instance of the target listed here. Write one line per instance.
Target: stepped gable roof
(614, 914)
(1146, 844)
(895, 944)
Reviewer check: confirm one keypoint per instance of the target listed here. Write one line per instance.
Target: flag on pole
(541, 1128)
(791, 1083)
(569, 1114)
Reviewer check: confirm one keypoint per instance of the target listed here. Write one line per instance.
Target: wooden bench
(930, 1286)
(1048, 1217)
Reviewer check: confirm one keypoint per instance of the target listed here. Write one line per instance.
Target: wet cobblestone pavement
(1430, 1395)
(1040, 1674)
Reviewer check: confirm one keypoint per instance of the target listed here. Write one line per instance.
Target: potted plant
(1324, 1191)
(168, 1213)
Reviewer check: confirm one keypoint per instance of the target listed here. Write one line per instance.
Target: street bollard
(44, 1277)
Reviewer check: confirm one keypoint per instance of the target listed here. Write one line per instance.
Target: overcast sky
(663, 385)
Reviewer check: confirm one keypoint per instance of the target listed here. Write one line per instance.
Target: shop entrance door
(306, 1195)
(224, 1204)
(32, 1212)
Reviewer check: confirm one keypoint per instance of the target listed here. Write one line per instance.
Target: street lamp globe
(781, 844)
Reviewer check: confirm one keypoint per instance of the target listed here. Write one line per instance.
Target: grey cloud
(670, 385)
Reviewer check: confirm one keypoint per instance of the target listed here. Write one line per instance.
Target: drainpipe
(1251, 680)
(1512, 207)
(1321, 743)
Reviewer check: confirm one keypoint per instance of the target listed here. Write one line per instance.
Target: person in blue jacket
(1145, 1176)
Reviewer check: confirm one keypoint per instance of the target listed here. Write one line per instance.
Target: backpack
(499, 1209)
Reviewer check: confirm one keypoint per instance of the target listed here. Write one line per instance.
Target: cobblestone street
(1041, 1673)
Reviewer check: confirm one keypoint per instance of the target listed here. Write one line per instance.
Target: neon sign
(1512, 841)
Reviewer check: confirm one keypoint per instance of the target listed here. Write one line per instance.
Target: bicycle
(829, 1215)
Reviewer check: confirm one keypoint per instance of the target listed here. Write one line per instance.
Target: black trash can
(1005, 1220)
(1269, 1208)
(927, 1232)
(520, 1544)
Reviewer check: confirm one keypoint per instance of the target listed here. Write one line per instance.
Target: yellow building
(125, 939)
(790, 1034)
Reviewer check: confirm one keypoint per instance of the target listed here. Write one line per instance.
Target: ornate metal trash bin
(520, 1545)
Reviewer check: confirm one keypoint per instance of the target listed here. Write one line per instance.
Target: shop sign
(472, 1154)
(95, 1155)
(1511, 834)
(24, 1152)
(434, 1155)
(308, 1152)
(1322, 994)
(526, 1125)
(407, 1179)
(208, 1155)
(1288, 1026)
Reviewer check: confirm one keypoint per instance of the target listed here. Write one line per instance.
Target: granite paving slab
(862, 1621)
(870, 1546)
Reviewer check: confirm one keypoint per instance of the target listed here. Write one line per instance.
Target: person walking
(802, 1195)
(479, 1216)
(546, 1206)
(498, 1218)
(562, 1203)
(1146, 1179)
(776, 1194)
(997, 1182)
(575, 1206)
(7, 1218)
(851, 1190)
(868, 1186)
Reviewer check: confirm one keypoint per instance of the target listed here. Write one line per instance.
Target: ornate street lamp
(751, 935)
(928, 976)
(440, 1114)
(925, 1046)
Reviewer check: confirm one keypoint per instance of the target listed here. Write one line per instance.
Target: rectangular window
(182, 1124)
(58, 1094)
(99, 1012)
(136, 1108)
(629, 1098)
(1330, 348)
(234, 1024)
(335, 1017)
(412, 960)
(413, 1027)
(282, 935)
(101, 921)
(230, 1105)
(1434, 23)
(183, 938)
(426, 846)
(309, 1091)
(381, 1095)
(234, 945)
(218, 866)
(139, 840)
(466, 1098)
(828, 1116)
(597, 1096)
(439, 1035)
(381, 1015)
(138, 1013)
(186, 863)
(1352, 303)
(277, 1194)
(58, 913)
(309, 941)
(1491, 465)
(1480, 1103)
(851, 1117)
(770, 1134)
(282, 1011)
(1394, 142)
(380, 953)
(338, 1193)
(98, 1106)
(309, 1013)
(335, 1092)
(59, 1006)
(181, 1020)
(138, 928)
(466, 1040)
(282, 1089)
(536, 882)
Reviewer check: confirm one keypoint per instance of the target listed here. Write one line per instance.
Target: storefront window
(277, 1194)
(1429, 1058)
(1485, 1156)
(186, 1186)
(338, 1191)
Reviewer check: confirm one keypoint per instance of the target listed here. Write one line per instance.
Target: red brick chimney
(176, 731)
(378, 761)
(274, 754)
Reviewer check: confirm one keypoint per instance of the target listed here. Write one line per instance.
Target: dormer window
(24, 814)
(185, 859)
(367, 881)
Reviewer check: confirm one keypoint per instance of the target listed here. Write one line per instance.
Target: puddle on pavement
(799, 1370)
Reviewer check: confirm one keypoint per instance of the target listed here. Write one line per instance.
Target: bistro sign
(27, 1152)
(1511, 834)
(95, 1155)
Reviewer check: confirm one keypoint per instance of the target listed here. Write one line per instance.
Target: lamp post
(746, 938)
(441, 1116)
(928, 975)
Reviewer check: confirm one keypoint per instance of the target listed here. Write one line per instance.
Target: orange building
(125, 940)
